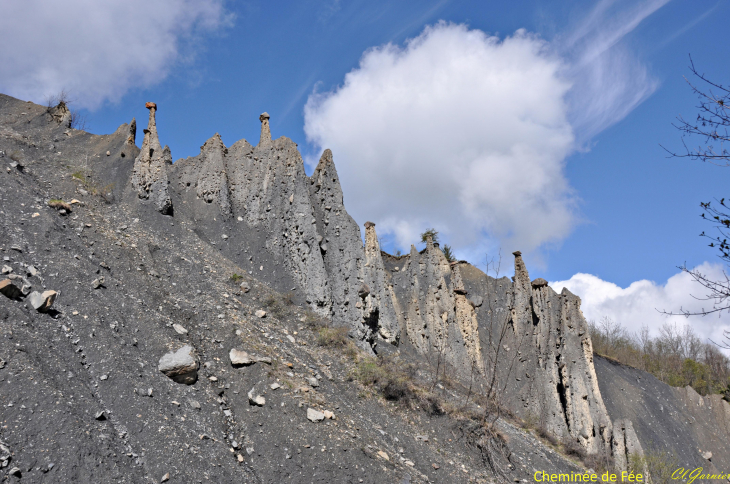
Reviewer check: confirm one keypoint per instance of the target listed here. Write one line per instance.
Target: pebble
(179, 329)
(260, 313)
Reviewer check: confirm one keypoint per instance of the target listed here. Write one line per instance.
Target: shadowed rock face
(149, 176)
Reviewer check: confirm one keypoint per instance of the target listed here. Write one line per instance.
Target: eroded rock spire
(149, 177)
(265, 130)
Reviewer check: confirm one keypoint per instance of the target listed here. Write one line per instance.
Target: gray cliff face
(340, 245)
(149, 176)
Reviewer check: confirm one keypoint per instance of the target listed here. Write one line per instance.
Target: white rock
(179, 329)
(260, 313)
(180, 365)
(42, 302)
(314, 415)
(240, 358)
(254, 399)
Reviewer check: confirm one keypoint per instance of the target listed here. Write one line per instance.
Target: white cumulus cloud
(97, 50)
(456, 129)
(641, 303)
(469, 133)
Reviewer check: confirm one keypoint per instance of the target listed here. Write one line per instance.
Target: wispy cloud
(689, 25)
(609, 81)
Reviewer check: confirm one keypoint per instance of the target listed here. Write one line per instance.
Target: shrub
(432, 233)
(396, 382)
(332, 337)
(235, 277)
(448, 254)
(274, 306)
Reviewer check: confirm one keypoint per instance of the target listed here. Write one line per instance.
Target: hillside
(238, 251)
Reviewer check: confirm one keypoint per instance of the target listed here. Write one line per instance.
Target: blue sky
(586, 92)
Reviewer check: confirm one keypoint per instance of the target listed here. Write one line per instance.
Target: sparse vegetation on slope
(677, 356)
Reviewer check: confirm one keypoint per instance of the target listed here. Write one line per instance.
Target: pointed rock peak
(429, 244)
(132, 134)
(371, 238)
(214, 142)
(522, 277)
(325, 159)
(265, 130)
(149, 175)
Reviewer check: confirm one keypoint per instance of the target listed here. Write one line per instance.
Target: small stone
(435, 466)
(240, 358)
(213, 378)
(263, 359)
(409, 463)
(166, 477)
(239, 457)
(108, 153)
(101, 415)
(249, 450)
(313, 382)
(32, 271)
(314, 415)
(15, 471)
(224, 237)
(245, 287)
(329, 414)
(104, 377)
(422, 438)
(291, 338)
(194, 404)
(179, 329)
(254, 399)
(260, 313)
(383, 455)
(7, 270)
(181, 365)
(97, 283)
(35, 214)
(274, 386)
(176, 403)
(707, 455)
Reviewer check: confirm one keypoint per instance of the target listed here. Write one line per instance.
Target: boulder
(539, 282)
(181, 365)
(42, 302)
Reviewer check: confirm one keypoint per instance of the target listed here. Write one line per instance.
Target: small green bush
(235, 277)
